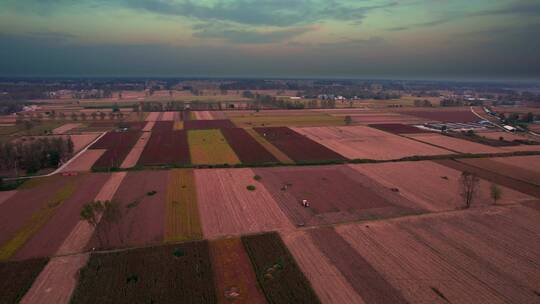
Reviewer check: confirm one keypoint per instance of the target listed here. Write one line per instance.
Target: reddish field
(85, 161)
(168, 116)
(66, 128)
(369, 283)
(476, 256)
(226, 207)
(153, 116)
(163, 126)
(432, 186)
(203, 115)
(149, 126)
(335, 193)
(142, 217)
(296, 146)
(166, 148)
(233, 273)
(524, 162)
(133, 156)
(397, 128)
(208, 124)
(16, 211)
(326, 279)
(483, 171)
(180, 273)
(118, 145)
(246, 147)
(51, 236)
(56, 282)
(463, 116)
(528, 174)
(17, 278)
(454, 144)
(361, 142)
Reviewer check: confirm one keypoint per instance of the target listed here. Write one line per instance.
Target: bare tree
(91, 213)
(495, 193)
(469, 186)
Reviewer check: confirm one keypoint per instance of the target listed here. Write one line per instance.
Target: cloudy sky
(422, 39)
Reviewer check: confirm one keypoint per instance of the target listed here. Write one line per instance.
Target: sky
(402, 39)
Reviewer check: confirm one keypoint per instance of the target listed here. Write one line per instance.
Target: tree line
(34, 154)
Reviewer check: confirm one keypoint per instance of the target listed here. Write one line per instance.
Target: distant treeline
(35, 154)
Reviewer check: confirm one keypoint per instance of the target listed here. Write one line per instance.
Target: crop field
(454, 258)
(454, 144)
(149, 126)
(369, 283)
(203, 115)
(327, 281)
(278, 154)
(397, 128)
(227, 207)
(528, 163)
(118, 145)
(56, 282)
(163, 126)
(182, 221)
(370, 117)
(153, 116)
(169, 147)
(167, 116)
(85, 161)
(210, 147)
(305, 119)
(179, 273)
(440, 186)
(444, 115)
(249, 150)
(133, 156)
(505, 136)
(141, 217)
(208, 124)
(25, 212)
(66, 128)
(17, 278)
(335, 193)
(361, 142)
(82, 232)
(297, 146)
(525, 174)
(279, 276)
(47, 240)
(499, 178)
(233, 273)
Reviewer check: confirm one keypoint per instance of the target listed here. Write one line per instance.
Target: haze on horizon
(479, 39)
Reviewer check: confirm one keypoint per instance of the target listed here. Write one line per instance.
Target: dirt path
(133, 157)
(149, 125)
(57, 281)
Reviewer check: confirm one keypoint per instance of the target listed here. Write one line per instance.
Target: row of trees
(73, 116)
(35, 154)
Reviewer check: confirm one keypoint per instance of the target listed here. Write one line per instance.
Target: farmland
(118, 146)
(253, 119)
(226, 207)
(246, 147)
(297, 147)
(453, 144)
(210, 147)
(145, 275)
(17, 278)
(208, 124)
(279, 276)
(182, 216)
(361, 142)
(166, 147)
(346, 195)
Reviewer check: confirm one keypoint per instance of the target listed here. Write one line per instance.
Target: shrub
(251, 188)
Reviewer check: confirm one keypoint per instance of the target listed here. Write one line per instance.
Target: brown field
(523, 162)
(210, 147)
(327, 281)
(82, 140)
(432, 186)
(226, 207)
(278, 154)
(335, 193)
(203, 115)
(149, 125)
(463, 115)
(477, 256)
(454, 144)
(153, 116)
(285, 118)
(142, 217)
(182, 221)
(534, 148)
(81, 234)
(381, 118)
(51, 235)
(133, 156)
(167, 116)
(85, 161)
(5, 195)
(56, 282)
(360, 142)
(528, 174)
(66, 128)
(233, 272)
(504, 135)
